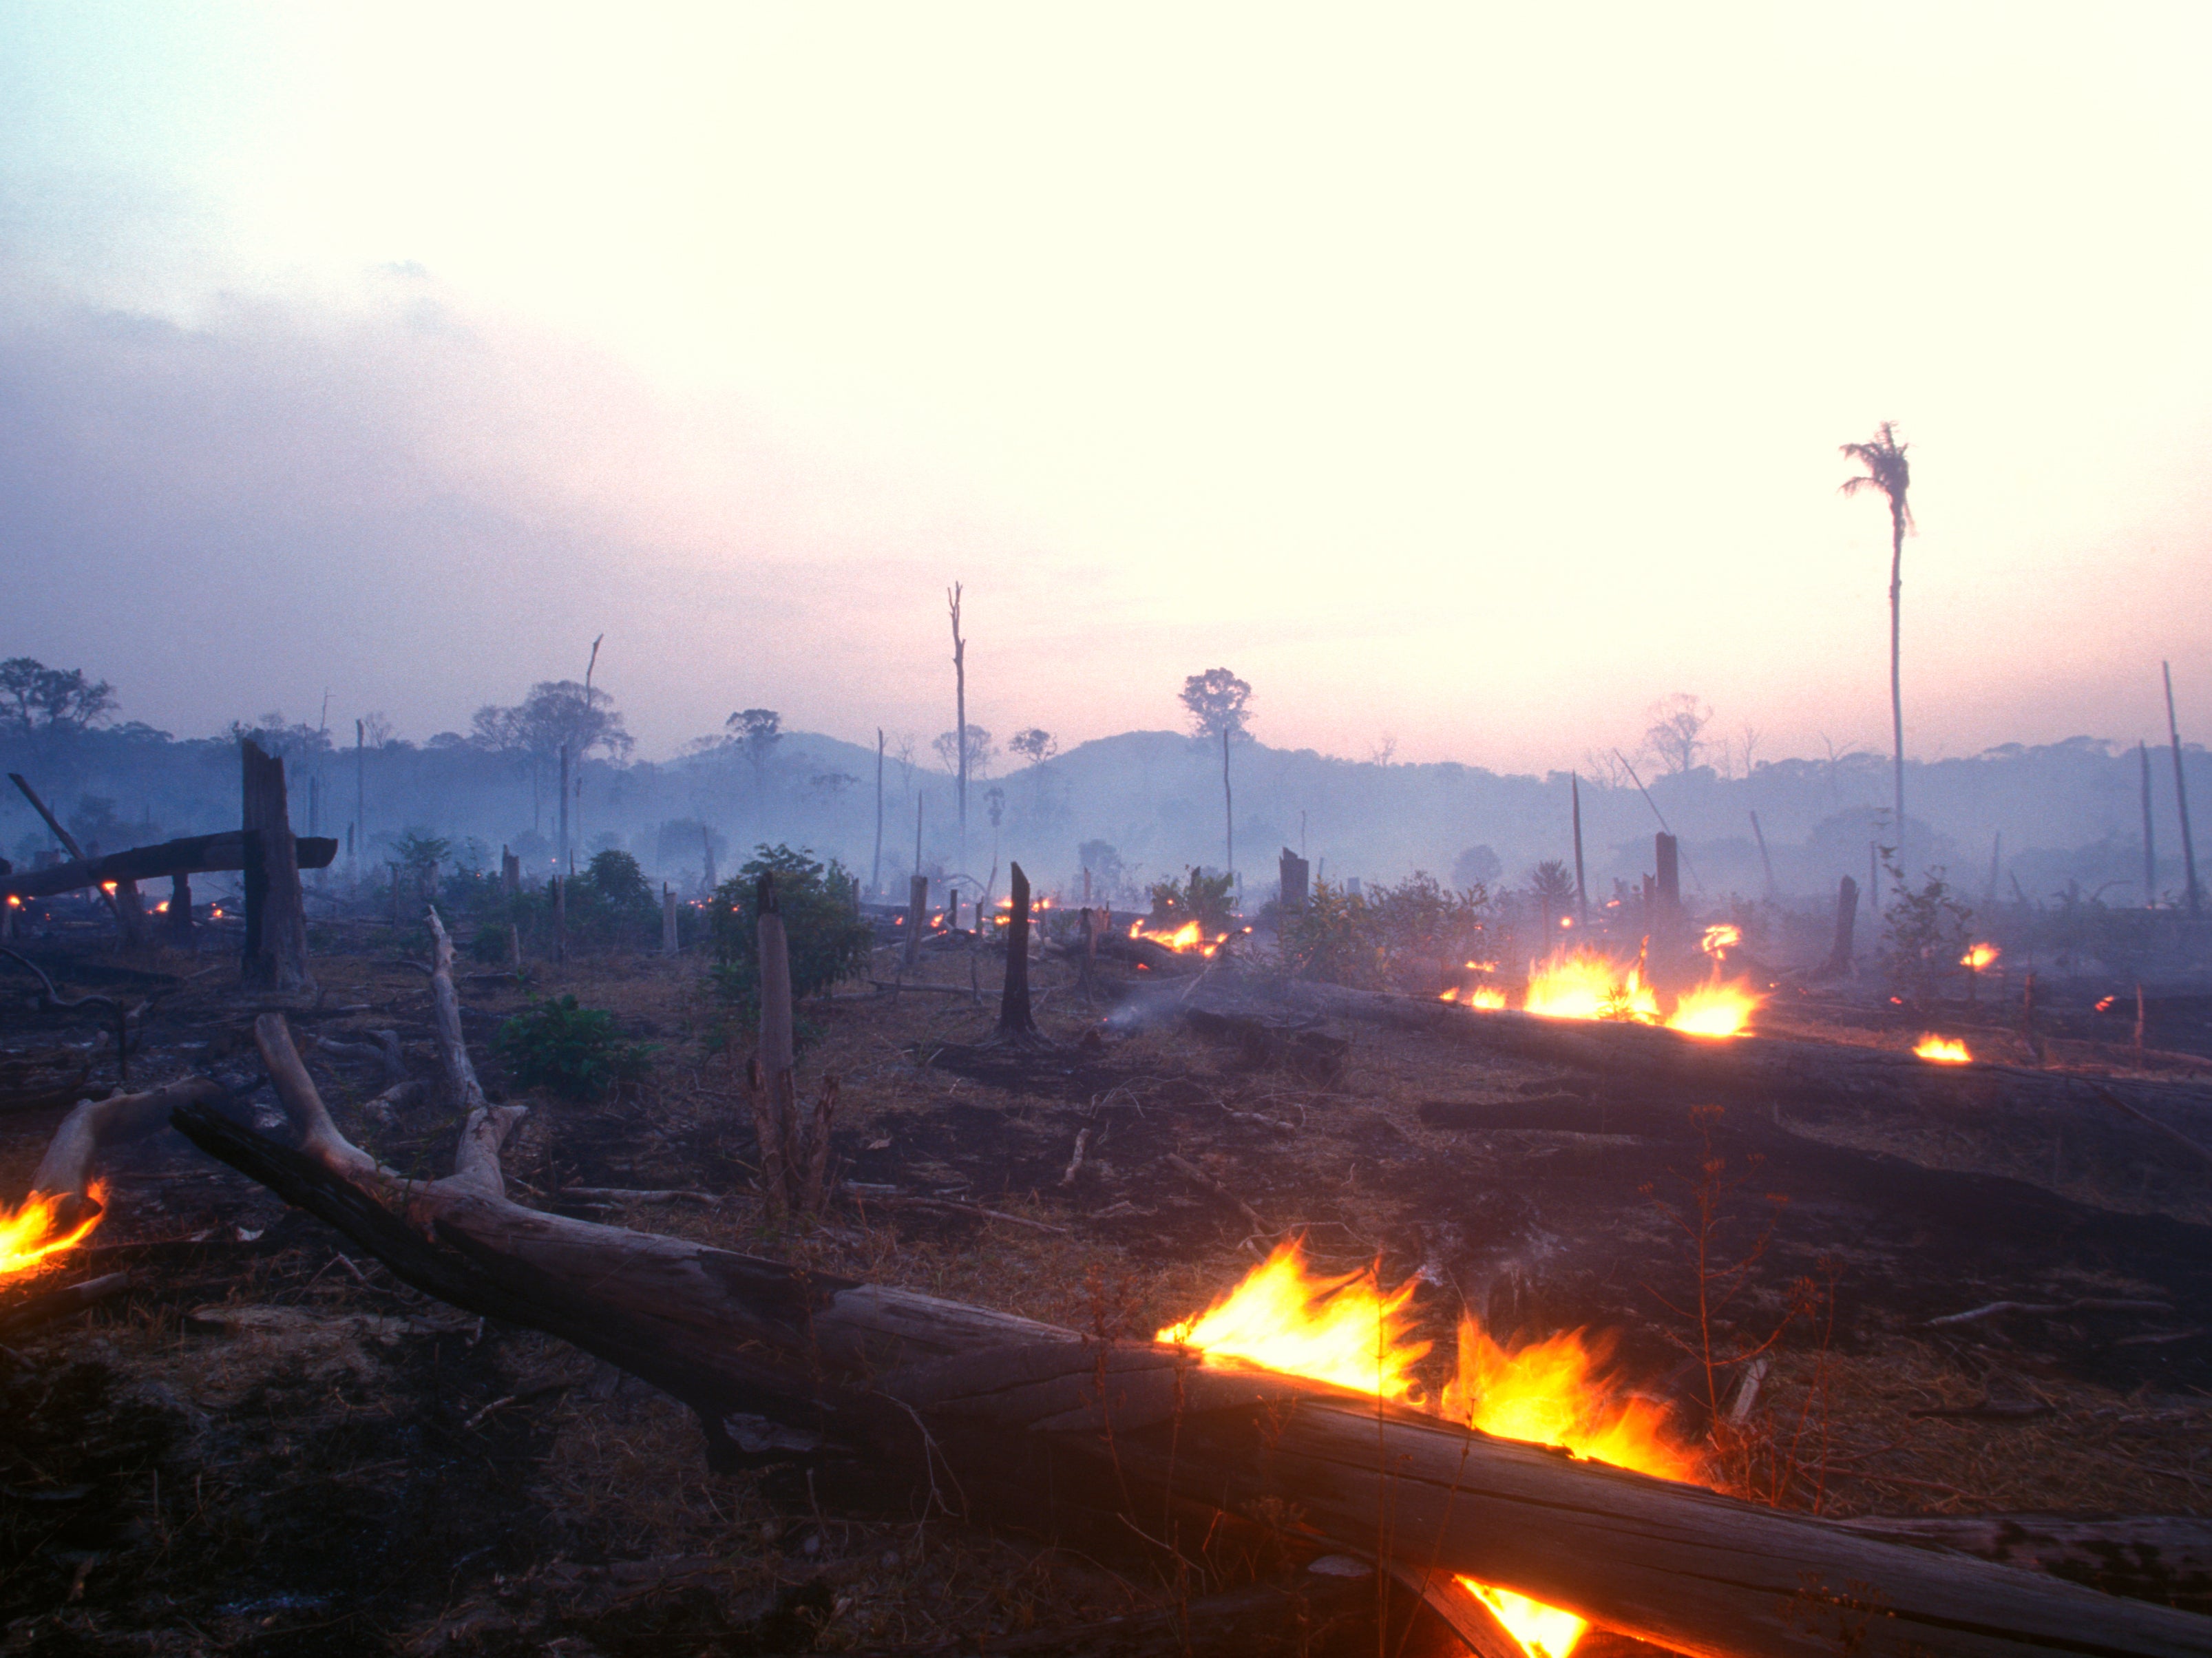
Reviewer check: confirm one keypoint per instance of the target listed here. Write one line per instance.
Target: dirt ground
(271, 1445)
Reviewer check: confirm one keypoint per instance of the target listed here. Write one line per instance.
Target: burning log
(1767, 1068)
(44, 1307)
(1005, 1415)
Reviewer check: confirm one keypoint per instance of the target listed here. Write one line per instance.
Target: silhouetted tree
(42, 702)
(1216, 700)
(1674, 733)
(757, 731)
(1887, 471)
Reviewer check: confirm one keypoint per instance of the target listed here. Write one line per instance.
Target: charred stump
(275, 954)
(1016, 1024)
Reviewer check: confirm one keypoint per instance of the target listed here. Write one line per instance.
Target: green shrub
(1200, 897)
(577, 1052)
(829, 939)
(1397, 937)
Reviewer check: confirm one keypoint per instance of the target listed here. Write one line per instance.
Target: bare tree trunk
(1581, 889)
(2150, 849)
(876, 869)
(1765, 861)
(707, 836)
(563, 859)
(667, 920)
(1896, 664)
(510, 875)
(1228, 811)
(959, 722)
(2181, 800)
(276, 955)
(560, 885)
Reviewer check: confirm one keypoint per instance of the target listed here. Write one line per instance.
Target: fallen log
(1765, 1067)
(196, 855)
(2167, 1558)
(20, 1317)
(998, 1415)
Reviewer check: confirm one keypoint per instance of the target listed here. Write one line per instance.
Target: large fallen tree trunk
(196, 855)
(1000, 1416)
(1764, 1067)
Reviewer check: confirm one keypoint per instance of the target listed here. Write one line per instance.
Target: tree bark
(275, 954)
(1896, 663)
(917, 912)
(1003, 1416)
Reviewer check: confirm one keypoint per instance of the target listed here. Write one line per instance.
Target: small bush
(1200, 897)
(577, 1052)
(829, 939)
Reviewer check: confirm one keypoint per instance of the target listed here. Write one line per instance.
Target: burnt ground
(270, 1445)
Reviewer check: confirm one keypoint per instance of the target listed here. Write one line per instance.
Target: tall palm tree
(1886, 471)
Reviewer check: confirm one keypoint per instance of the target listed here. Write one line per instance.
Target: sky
(1466, 379)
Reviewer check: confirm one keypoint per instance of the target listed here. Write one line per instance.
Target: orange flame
(1351, 1332)
(1715, 1010)
(27, 1235)
(1719, 938)
(1979, 956)
(1943, 1050)
(1584, 984)
(1186, 938)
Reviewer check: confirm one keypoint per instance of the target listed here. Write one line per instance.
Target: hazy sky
(1473, 376)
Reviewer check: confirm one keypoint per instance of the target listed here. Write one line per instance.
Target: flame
(2105, 1005)
(1582, 984)
(1721, 937)
(1188, 936)
(1943, 1050)
(27, 1235)
(1351, 1332)
(1343, 1330)
(1484, 996)
(1715, 1010)
(1978, 957)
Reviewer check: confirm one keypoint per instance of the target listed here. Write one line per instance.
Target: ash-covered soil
(270, 1445)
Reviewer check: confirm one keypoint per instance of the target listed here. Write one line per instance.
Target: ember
(1979, 956)
(28, 1234)
(1942, 1050)
(1351, 1332)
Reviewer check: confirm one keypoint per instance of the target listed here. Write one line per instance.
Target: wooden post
(1015, 1022)
(510, 874)
(2181, 801)
(1581, 889)
(2150, 848)
(276, 955)
(667, 920)
(917, 905)
(1292, 872)
(1765, 861)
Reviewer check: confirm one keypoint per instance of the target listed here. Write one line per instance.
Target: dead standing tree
(1216, 700)
(959, 715)
(1887, 471)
